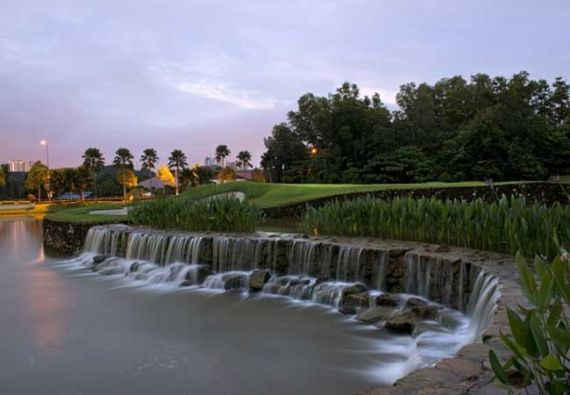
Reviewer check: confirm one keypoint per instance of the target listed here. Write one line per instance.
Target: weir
(346, 276)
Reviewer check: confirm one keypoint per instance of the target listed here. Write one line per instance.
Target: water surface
(66, 331)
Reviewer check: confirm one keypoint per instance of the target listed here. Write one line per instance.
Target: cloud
(218, 91)
(388, 96)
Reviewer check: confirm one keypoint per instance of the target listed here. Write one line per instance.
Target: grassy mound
(275, 195)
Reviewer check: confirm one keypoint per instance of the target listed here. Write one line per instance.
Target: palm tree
(149, 159)
(124, 161)
(244, 160)
(123, 158)
(93, 161)
(177, 161)
(221, 152)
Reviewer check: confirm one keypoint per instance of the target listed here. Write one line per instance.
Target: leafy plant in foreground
(540, 340)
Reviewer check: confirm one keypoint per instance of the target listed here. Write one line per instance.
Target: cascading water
(303, 269)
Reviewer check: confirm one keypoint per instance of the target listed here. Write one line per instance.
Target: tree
(149, 159)
(226, 174)
(190, 177)
(83, 180)
(2, 177)
(222, 151)
(257, 175)
(177, 161)
(127, 178)
(285, 153)
(244, 160)
(37, 178)
(93, 161)
(123, 159)
(165, 175)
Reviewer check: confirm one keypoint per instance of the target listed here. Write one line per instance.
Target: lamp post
(44, 143)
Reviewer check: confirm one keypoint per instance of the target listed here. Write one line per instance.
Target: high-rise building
(19, 166)
(209, 161)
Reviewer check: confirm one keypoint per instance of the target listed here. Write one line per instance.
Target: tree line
(94, 176)
(484, 128)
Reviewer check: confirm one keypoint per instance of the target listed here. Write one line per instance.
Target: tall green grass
(508, 225)
(222, 214)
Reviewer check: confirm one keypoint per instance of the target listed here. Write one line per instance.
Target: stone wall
(64, 238)
(543, 192)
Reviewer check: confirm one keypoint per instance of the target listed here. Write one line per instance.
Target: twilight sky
(194, 74)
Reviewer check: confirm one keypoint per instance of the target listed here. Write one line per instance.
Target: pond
(67, 330)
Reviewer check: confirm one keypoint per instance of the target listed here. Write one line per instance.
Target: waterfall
(482, 303)
(305, 269)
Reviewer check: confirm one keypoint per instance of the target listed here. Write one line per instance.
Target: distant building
(19, 166)
(232, 165)
(152, 183)
(209, 161)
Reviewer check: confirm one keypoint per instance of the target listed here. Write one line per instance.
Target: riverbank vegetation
(456, 129)
(224, 214)
(507, 225)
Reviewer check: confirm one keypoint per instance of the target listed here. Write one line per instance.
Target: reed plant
(508, 225)
(222, 214)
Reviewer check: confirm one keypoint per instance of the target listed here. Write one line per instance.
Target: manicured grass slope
(275, 195)
(81, 213)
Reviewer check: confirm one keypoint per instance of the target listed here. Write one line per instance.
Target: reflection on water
(43, 295)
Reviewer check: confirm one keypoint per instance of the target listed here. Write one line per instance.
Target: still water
(71, 332)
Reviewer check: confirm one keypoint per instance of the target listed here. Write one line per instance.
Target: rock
(110, 270)
(134, 267)
(347, 296)
(97, 259)
(198, 275)
(272, 288)
(387, 299)
(402, 322)
(348, 310)
(359, 300)
(185, 283)
(415, 302)
(233, 281)
(425, 312)
(375, 314)
(448, 319)
(258, 279)
(443, 248)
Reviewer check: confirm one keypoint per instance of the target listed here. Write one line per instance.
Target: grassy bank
(267, 195)
(81, 212)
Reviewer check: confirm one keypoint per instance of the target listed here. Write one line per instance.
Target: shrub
(540, 338)
(507, 225)
(221, 214)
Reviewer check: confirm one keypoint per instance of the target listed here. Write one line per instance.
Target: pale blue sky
(194, 74)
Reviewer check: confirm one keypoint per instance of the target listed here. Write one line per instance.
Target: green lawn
(565, 179)
(80, 212)
(274, 195)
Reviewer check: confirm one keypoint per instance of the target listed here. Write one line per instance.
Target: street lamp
(44, 143)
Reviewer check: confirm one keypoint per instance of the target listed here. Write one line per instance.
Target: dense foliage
(540, 340)
(498, 128)
(508, 225)
(217, 214)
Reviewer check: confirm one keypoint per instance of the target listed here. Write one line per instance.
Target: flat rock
(388, 299)
(375, 314)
